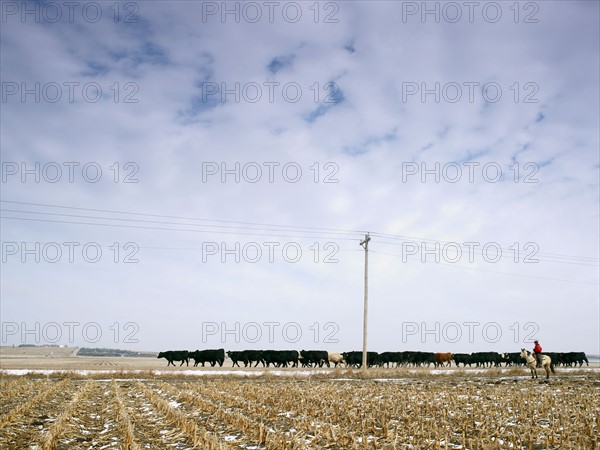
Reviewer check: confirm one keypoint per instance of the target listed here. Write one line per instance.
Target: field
(67, 410)
(50, 399)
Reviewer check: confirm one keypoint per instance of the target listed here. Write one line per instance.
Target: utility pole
(365, 245)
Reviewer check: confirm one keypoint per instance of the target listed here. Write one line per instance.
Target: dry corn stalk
(123, 419)
(57, 426)
(24, 407)
(198, 436)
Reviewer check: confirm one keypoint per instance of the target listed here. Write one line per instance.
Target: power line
(543, 257)
(262, 229)
(181, 217)
(206, 228)
(180, 229)
(413, 239)
(496, 272)
(150, 221)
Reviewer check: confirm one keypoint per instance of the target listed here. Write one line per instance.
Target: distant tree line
(109, 352)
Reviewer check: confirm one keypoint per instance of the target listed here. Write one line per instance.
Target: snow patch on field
(239, 373)
(292, 373)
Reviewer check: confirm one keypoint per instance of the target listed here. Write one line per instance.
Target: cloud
(286, 132)
(279, 63)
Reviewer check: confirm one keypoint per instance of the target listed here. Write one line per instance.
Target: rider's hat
(535, 342)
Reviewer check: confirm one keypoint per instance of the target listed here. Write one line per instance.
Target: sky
(188, 175)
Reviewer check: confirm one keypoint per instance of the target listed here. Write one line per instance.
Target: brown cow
(441, 358)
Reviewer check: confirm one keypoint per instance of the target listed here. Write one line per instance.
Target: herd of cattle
(320, 358)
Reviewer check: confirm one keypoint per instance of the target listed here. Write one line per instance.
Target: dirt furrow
(150, 427)
(124, 422)
(57, 427)
(29, 421)
(195, 433)
(285, 409)
(231, 425)
(17, 392)
(91, 422)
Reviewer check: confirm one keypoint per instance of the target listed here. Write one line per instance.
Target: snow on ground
(295, 373)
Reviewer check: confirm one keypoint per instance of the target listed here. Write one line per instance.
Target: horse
(531, 361)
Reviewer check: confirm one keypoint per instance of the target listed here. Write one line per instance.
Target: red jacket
(537, 348)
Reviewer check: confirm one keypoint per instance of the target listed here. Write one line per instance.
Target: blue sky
(231, 133)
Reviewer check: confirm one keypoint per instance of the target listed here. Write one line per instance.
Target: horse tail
(552, 367)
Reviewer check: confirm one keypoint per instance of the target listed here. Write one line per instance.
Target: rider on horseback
(537, 351)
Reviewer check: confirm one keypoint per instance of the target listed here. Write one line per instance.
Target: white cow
(336, 358)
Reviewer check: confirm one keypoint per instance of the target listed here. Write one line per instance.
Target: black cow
(403, 358)
(514, 359)
(574, 358)
(236, 357)
(416, 359)
(251, 356)
(387, 358)
(176, 355)
(208, 356)
(486, 359)
(426, 358)
(280, 358)
(316, 357)
(355, 359)
(463, 358)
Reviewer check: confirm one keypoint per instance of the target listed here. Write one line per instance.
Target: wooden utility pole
(365, 245)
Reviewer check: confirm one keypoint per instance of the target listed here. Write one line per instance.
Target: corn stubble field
(160, 412)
